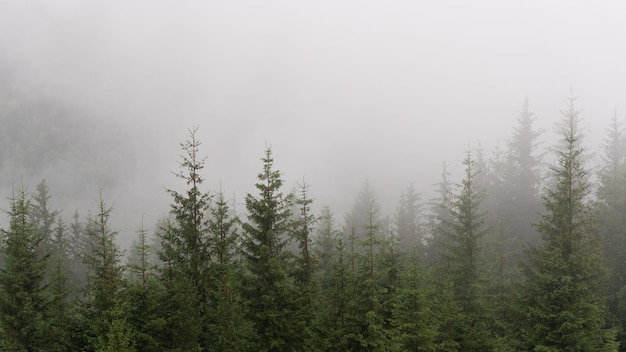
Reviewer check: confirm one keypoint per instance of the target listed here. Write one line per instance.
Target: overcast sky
(344, 91)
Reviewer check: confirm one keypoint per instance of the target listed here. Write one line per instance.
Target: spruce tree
(228, 326)
(105, 275)
(186, 253)
(23, 299)
(522, 180)
(564, 305)
(408, 221)
(331, 274)
(42, 216)
(610, 210)
(179, 304)
(104, 280)
(268, 289)
(78, 247)
(59, 287)
(461, 233)
(305, 262)
(415, 324)
(141, 305)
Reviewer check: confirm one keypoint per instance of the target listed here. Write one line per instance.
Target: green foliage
(23, 299)
(141, 304)
(564, 306)
(267, 288)
(118, 337)
(285, 280)
(186, 251)
(461, 256)
(179, 303)
(228, 328)
(415, 324)
(104, 281)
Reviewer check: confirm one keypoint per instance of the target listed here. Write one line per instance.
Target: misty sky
(344, 91)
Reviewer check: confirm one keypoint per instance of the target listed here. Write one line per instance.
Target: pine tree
(329, 273)
(358, 218)
(522, 179)
(141, 299)
(186, 253)
(179, 304)
(564, 306)
(415, 324)
(304, 279)
(324, 250)
(104, 280)
(78, 247)
(43, 217)
(23, 299)
(407, 220)
(461, 260)
(268, 289)
(228, 326)
(438, 214)
(610, 210)
(60, 291)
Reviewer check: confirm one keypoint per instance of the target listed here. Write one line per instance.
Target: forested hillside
(521, 252)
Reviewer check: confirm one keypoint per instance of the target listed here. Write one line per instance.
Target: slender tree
(186, 251)
(408, 220)
(228, 326)
(269, 291)
(105, 274)
(610, 210)
(564, 306)
(305, 262)
(523, 179)
(461, 260)
(42, 216)
(23, 300)
(142, 298)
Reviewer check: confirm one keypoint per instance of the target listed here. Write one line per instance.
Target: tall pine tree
(564, 305)
(23, 301)
(460, 241)
(268, 289)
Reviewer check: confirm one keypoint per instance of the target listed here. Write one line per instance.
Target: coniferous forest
(524, 251)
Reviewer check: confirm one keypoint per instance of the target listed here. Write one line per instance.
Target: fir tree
(186, 253)
(23, 299)
(415, 324)
(59, 288)
(104, 279)
(407, 220)
(42, 216)
(228, 326)
(523, 179)
(610, 210)
(563, 305)
(461, 260)
(141, 305)
(268, 289)
(306, 285)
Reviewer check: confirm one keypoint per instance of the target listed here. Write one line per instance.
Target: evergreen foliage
(440, 276)
(270, 293)
(564, 304)
(461, 261)
(228, 327)
(23, 299)
(105, 274)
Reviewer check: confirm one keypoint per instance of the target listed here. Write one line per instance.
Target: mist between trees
(518, 254)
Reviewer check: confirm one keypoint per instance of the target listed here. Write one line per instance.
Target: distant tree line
(515, 256)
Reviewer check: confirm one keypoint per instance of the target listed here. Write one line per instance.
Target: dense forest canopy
(520, 252)
(312, 176)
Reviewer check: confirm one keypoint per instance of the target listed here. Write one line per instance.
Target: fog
(343, 91)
